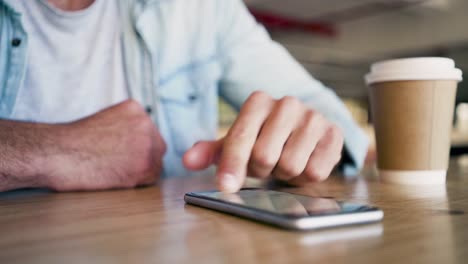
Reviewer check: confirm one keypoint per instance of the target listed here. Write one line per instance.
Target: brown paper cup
(412, 111)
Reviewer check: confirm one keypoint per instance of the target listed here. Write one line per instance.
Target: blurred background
(337, 40)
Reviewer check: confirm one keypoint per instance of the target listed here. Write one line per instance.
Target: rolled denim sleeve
(252, 61)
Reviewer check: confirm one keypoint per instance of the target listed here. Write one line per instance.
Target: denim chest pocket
(13, 48)
(5, 47)
(187, 97)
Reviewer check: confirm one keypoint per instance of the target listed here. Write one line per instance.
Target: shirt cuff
(355, 151)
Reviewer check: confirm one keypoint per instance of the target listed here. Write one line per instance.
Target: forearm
(118, 147)
(25, 149)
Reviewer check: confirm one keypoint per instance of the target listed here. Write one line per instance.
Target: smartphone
(286, 210)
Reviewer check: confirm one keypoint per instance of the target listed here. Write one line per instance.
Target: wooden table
(153, 225)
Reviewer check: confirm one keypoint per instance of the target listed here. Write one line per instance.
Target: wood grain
(153, 225)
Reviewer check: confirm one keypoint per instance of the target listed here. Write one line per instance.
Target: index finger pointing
(238, 144)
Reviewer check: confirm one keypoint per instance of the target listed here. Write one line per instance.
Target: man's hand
(282, 138)
(118, 147)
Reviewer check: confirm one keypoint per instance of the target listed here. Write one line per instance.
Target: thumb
(203, 154)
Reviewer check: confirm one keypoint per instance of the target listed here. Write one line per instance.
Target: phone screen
(286, 203)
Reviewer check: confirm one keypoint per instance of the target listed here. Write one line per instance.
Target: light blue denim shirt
(180, 55)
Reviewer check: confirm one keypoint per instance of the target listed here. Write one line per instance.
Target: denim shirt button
(16, 42)
(149, 109)
(192, 97)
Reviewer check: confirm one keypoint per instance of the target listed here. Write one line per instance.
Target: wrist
(49, 157)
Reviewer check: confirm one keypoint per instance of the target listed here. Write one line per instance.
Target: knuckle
(314, 123)
(335, 136)
(262, 159)
(314, 175)
(255, 171)
(314, 120)
(256, 99)
(289, 102)
(289, 169)
(259, 96)
(239, 132)
(313, 117)
(335, 132)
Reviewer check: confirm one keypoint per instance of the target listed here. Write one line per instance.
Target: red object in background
(272, 21)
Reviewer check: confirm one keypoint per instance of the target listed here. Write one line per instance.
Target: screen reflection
(285, 203)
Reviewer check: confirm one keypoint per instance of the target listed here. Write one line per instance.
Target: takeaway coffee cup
(412, 103)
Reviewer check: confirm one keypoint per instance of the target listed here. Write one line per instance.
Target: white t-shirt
(75, 64)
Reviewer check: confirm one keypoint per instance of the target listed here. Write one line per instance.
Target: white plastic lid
(413, 177)
(425, 68)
